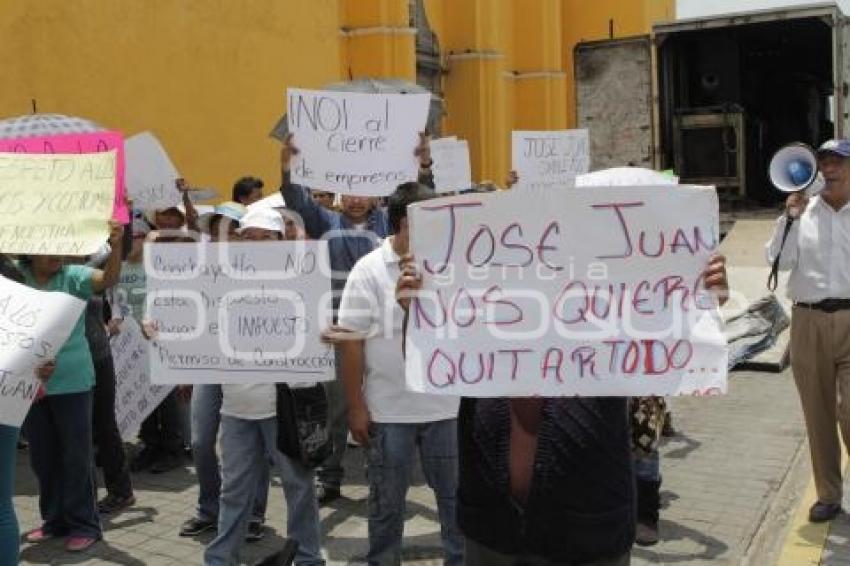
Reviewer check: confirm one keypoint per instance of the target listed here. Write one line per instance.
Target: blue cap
(838, 147)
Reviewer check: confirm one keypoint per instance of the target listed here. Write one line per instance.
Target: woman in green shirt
(59, 427)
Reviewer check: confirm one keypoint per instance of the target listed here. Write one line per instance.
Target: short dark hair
(245, 186)
(404, 195)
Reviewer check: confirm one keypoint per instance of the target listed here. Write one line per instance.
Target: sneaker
(38, 535)
(144, 459)
(114, 503)
(823, 512)
(79, 544)
(256, 531)
(646, 534)
(325, 494)
(195, 526)
(166, 463)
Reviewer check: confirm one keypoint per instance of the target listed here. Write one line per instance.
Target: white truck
(713, 98)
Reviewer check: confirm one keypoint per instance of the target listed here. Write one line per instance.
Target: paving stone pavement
(721, 476)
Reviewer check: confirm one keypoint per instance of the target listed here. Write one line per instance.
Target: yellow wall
(377, 39)
(208, 77)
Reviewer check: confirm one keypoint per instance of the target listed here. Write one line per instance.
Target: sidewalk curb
(771, 538)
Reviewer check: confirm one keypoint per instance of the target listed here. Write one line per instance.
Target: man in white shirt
(383, 415)
(248, 439)
(817, 251)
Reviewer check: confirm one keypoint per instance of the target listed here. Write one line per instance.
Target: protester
(390, 421)
(247, 190)
(817, 252)
(9, 533)
(354, 231)
(107, 439)
(220, 225)
(647, 422)
(324, 198)
(546, 480)
(59, 427)
(249, 439)
(162, 440)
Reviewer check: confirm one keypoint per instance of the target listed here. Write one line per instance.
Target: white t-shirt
(252, 401)
(369, 306)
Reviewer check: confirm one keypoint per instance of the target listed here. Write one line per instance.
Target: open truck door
(614, 100)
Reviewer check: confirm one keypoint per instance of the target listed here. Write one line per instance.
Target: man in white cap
(248, 439)
(220, 225)
(817, 252)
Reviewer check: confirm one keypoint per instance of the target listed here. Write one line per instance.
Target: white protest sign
(55, 204)
(451, 168)
(33, 327)
(239, 312)
(150, 174)
(593, 292)
(547, 159)
(135, 397)
(355, 143)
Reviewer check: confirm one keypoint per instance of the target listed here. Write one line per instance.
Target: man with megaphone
(812, 240)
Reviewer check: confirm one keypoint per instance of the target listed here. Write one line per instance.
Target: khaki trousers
(820, 358)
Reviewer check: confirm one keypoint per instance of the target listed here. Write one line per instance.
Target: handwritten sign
(135, 397)
(550, 159)
(55, 204)
(150, 173)
(355, 143)
(452, 170)
(593, 292)
(33, 327)
(239, 312)
(96, 142)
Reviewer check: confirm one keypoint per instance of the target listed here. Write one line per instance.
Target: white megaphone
(795, 168)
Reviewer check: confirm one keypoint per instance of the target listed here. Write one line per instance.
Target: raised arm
(317, 219)
(108, 276)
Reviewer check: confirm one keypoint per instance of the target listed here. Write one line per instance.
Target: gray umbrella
(377, 86)
(33, 125)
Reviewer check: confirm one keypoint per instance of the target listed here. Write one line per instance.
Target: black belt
(827, 305)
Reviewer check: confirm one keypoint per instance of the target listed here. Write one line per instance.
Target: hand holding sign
(595, 292)
(33, 327)
(355, 143)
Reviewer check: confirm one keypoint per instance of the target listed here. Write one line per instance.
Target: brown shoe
(646, 534)
(823, 512)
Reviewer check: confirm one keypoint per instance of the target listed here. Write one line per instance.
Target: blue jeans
(389, 457)
(245, 446)
(331, 472)
(9, 548)
(648, 466)
(59, 430)
(206, 417)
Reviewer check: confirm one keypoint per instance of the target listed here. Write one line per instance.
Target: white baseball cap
(265, 218)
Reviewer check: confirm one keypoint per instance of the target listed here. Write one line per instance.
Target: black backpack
(302, 424)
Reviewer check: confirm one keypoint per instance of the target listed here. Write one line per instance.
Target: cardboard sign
(33, 327)
(55, 204)
(135, 397)
(354, 143)
(452, 170)
(591, 292)
(239, 312)
(550, 159)
(96, 142)
(150, 174)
